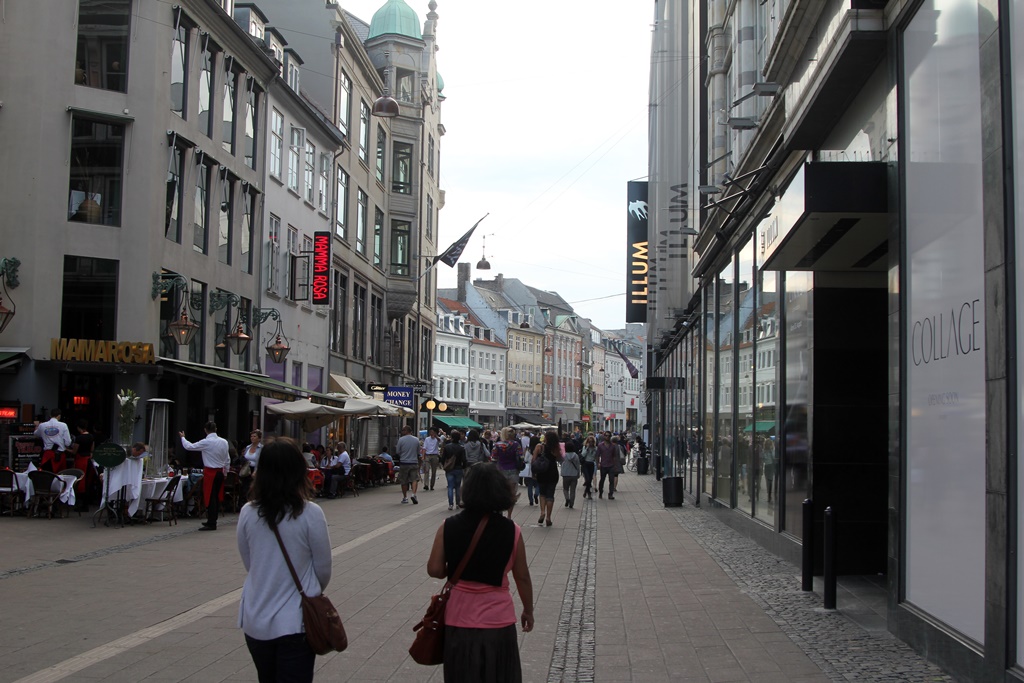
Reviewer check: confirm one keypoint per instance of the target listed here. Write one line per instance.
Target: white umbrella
(313, 416)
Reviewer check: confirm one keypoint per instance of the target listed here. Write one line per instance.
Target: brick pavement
(626, 591)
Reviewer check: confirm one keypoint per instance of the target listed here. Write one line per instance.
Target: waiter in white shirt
(216, 461)
(56, 438)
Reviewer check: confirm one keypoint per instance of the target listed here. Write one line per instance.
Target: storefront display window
(1017, 50)
(725, 351)
(796, 448)
(766, 358)
(710, 395)
(944, 285)
(748, 470)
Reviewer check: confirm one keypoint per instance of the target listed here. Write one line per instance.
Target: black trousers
(213, 505)
(287, 659)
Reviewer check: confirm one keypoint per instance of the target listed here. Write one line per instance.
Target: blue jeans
(454, 487)
(532, 489)
(287, 659)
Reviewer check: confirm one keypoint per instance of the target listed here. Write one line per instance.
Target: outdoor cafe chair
(11, 495)
(166, 499)
(78, 475)
(48, 487)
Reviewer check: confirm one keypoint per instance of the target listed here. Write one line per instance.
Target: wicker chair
(165, 503)
(48, 487)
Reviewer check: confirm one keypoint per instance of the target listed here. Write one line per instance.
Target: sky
(546, 120)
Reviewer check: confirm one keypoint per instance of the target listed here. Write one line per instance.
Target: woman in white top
(270, 611)
(252, 451)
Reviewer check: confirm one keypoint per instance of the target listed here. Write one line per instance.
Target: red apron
(209, 473)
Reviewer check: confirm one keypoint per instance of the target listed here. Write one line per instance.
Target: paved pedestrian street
(626, 590)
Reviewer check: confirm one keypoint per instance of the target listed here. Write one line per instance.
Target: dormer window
(293, 75)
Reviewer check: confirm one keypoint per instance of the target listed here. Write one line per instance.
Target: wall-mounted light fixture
(8, 278)
(237, 341)
(279, 348)
(183, 329)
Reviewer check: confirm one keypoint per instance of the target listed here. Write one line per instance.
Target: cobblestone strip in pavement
(101, 552)
(843, 649)
(573, 658)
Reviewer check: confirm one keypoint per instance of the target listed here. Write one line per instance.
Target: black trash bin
(672, 491)
(642, 463)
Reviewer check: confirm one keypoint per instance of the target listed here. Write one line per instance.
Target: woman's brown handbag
(428, 646)
(324, 630)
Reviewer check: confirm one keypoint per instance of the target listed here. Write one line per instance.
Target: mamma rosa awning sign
(102, 351)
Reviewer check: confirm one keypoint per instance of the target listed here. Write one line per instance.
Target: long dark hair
(280, 485)
(485, 489)
(551, 448)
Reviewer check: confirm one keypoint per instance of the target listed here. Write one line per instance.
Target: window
(400, 232)
(401, 169)
(273, 256)
(361, 217)
(297, 374)
(293, 72)
(94, 194)
(206, 87)
(248, 232)
(344, 101)
(382, 146)
(202, 206)
(290, 275)
(89, 303)
(101, 57)
(251, 122)
(378, 236)
(376, 328)
(325, 182)
(364, 132)
(340, 219)
(314, 378)
(228, 117)
(172, 214)
(358, 321)
(179, 67)
(403, 85)
(276, 142)
(430, 154)
(430, 217)
(225, 215)
(297, 141)
(310, 170)
(340, 310)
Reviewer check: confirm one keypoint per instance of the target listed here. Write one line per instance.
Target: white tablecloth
(67, 497)
(154, 488)
(127, 475)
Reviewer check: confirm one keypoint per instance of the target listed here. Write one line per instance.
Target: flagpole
(435, 259)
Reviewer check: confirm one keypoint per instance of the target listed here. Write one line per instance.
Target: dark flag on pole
(452, 254)
(633, 372)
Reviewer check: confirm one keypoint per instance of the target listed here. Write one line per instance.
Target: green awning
(761, 426)
(459, 422)
(253, 383)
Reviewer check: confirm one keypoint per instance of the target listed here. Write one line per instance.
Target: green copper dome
(395, 17)
(440, 82)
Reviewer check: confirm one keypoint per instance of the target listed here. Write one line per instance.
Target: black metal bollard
(830, 559)
(807, 565)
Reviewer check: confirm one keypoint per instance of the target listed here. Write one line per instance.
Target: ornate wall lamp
(182, 329)
(9, 278)
(237, 340)
(279, 349)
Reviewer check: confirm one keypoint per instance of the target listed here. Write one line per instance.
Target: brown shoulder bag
(428, 646)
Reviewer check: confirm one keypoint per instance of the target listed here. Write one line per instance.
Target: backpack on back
(540, 464)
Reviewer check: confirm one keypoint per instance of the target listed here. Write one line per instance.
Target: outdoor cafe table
(154, 488)
(127, 475)
(67, 496)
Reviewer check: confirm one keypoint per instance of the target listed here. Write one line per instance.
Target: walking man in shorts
(408, 454)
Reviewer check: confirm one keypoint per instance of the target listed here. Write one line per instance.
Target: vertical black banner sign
(637, 290)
